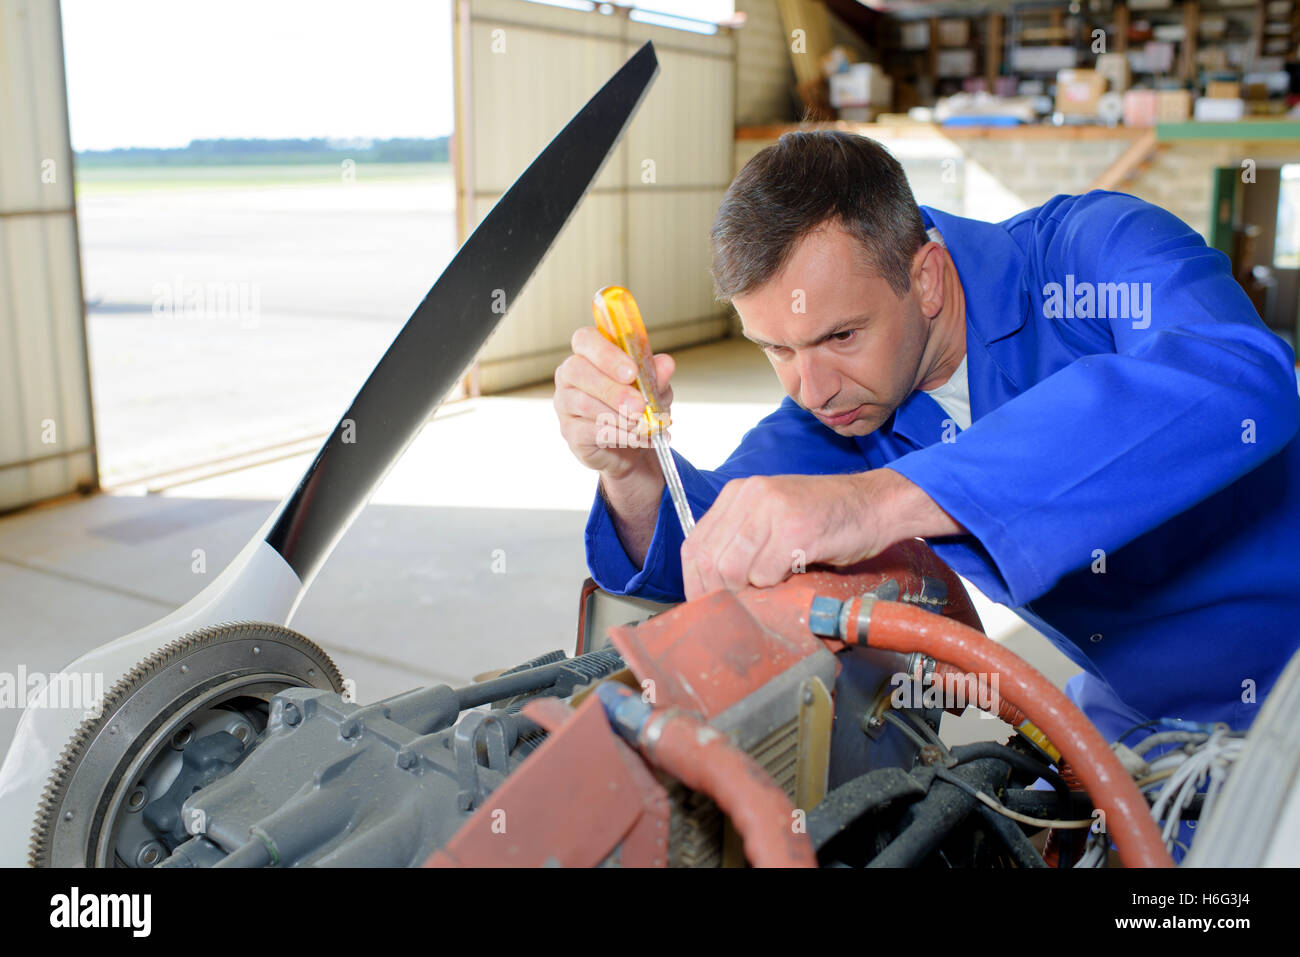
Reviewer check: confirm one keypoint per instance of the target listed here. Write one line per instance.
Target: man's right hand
(600, 408)
(601, 415)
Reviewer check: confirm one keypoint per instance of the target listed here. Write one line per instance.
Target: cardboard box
(857, 114)
(1140, 108)
(1223, 90)
(955, 63)
(1173, 106)
(1114, 67)
(1034, 59)
(1155, 57)
(862, 84)
(1077, 92)
(914, 34)
(954, 33)
(1219, 110)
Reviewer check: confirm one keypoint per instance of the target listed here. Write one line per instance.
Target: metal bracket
(474, 727)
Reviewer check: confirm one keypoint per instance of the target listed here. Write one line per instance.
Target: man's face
(844, 346)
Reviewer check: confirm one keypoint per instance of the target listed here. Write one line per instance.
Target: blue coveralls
(1154, 430)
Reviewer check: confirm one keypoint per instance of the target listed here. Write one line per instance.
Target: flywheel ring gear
(84, 795)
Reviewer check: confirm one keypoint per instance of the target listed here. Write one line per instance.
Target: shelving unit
(1210, 39)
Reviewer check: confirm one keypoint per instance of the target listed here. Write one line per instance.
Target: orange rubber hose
(895, 626)
(706, 761)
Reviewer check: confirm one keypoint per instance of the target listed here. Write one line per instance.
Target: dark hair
(805, 179)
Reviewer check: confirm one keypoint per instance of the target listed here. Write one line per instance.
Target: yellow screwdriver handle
(619, 320)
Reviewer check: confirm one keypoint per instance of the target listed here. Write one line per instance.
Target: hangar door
(47, 440)
(522, 70)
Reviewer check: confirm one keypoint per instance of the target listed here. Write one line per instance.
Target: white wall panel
(669, 255)
(524, 70)
(47, 445)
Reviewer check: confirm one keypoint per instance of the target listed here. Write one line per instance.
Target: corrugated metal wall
(47, 441)
(523, 70)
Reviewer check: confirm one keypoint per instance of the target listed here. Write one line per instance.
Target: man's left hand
(760, 530)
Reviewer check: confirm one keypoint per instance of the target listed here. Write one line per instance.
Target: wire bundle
(1203, 763)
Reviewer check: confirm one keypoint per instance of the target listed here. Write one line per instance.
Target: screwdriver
(619, 320)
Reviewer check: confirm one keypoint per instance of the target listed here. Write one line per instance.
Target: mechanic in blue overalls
(1078, 408)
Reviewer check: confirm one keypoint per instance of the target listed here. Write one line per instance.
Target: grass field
(99, 180)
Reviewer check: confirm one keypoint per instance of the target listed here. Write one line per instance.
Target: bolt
(290, 714)
(931, 755)
(808, 696)
(149, 854)
(407, 758)
(183, 737)
(872, 722)
(137, 799)
(348, 730)
(241, 733)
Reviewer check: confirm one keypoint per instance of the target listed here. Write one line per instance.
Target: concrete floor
(404, 599)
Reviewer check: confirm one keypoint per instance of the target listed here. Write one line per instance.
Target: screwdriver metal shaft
(619, 320)
(673, 479)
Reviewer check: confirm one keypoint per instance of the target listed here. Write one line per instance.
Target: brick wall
(1179, 178)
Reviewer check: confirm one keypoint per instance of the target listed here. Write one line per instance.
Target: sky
(164, 72)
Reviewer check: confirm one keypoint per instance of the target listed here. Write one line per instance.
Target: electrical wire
(1171, 724)
(1207, 765)
(1170, 760)
(1167, 737)
(1017, 759)
(928, 732)
(1136, 727)
(903, 726)
(1154, 778)
(1097, 852)
(943, 774)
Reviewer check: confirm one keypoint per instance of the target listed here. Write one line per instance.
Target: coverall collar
(988, 263)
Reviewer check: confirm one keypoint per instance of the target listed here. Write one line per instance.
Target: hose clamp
(654, 728)
(858, 635)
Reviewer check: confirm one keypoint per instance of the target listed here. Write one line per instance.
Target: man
(1078, 408)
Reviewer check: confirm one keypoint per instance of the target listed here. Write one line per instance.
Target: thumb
(664, 368)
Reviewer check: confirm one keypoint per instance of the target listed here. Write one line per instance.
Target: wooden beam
(1121, 28)
(993, 50)
(1191, 24)
(1127, 163)
(934, 54)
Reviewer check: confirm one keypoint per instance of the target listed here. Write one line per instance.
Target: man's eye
(844, 336)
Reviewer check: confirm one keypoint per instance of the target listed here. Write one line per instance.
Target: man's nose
(818, 384)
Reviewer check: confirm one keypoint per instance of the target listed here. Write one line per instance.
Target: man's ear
(927, 278)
